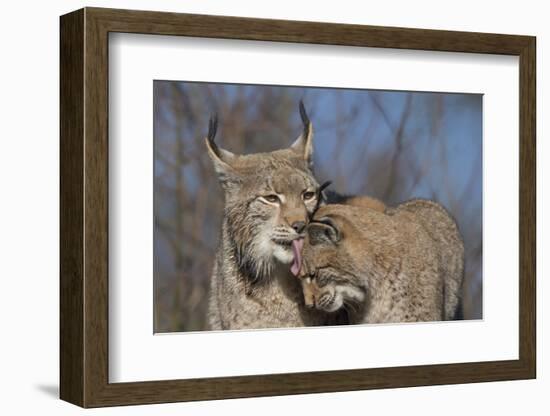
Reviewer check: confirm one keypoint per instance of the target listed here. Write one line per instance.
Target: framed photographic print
(256, 207)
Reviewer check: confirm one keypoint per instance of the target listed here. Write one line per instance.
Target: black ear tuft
(305, 119)
(324, 186)
(303, 144)
(212, 128)
(303, 114)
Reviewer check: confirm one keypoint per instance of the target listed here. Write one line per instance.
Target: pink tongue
(297, 251)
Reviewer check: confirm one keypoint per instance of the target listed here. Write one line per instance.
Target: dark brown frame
(84, 209)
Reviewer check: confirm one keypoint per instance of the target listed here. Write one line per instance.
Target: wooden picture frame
(84, 207)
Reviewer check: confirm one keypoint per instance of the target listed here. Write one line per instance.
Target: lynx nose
(298, 226)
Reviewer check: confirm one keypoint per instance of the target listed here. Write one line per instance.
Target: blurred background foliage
(388, 144)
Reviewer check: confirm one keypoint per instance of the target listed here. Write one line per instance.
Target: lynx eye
(308, 195)
(274, 199)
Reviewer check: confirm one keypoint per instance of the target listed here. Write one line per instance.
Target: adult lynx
(268, 199)
(401, 265)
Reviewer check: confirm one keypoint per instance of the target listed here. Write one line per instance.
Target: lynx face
(268, 198)
(328, 276)
(266, 214)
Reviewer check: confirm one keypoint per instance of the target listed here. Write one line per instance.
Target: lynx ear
(223, 160)
(304, 143)
(323, 231)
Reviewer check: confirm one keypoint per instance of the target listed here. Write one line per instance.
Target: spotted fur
(401, 265)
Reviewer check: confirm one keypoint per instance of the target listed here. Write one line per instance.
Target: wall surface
(29, 160)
